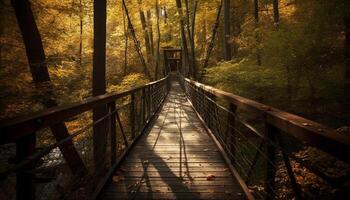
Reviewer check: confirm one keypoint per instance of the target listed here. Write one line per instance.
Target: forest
(292, 55)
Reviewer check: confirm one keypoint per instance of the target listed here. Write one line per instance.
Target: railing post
(149, 102)
(205, 108)
(231, 137)
(150, 99)
(143, 110)
(138, 115)
(289, 168)
(132, 115)
(113, 129)
(212, 111)
(270, 139)
(100, 139)
(25, 188)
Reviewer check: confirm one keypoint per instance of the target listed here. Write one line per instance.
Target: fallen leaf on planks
(210, 177)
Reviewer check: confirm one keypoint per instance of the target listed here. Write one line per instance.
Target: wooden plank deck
(177, 159)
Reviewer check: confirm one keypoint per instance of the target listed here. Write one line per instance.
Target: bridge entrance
(172, 59)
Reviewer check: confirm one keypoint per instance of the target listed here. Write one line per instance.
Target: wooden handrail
(13, 129)
(310, 132)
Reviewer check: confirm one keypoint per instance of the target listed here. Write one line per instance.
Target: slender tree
(126, 38)
(41, 78)
(276, 13)
(145, 32)
(276, 20)
(167, 25)
(136, 42)
(158, 40)
(257, 35)
(81, 33)
(194, 19)
(185, 66)
(212, 40)
(227, 31)
(150, 31)
(192, 58)
(99, 84)
(193, 48)
(203, 35)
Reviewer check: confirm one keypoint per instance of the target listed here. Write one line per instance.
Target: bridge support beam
(132, 115)
(113, 131)
(270, 140)
(25, 188)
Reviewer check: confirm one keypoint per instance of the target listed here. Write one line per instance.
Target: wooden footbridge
(170, 139)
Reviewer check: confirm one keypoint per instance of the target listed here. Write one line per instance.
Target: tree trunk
(99, 86)
(126, 30)
(212, 40)
(203, 36)
(193, 48)
(168, 37)
(188, 29)
(276, 13)
(81, 34)
(183, 40)
(136, 42)
(185, 63)
(257, 35)
(38, 68)
(145, 33)
(190, 34)
(227, 31)
(158, 41)
(150, 31)
(194, 19)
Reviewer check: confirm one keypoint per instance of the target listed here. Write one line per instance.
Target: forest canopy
(296, 50)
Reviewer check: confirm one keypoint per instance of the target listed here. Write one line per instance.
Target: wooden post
(181, 68)
(100, 129)
(292, 179)
(146, 104)
(143, 110)
(132, 115)
(139, 114)
(271, 133)
(113, 129)
(212, 111)
(149, 101)
(25, 188)
(152, 100)
(231, 137)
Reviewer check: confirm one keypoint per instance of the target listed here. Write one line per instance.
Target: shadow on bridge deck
(176, 159)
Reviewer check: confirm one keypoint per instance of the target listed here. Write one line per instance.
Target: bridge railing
(36, 165)
(274, 154)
